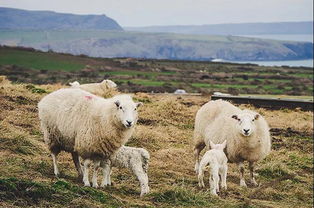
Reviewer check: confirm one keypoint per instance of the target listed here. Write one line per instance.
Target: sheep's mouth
(128, 125)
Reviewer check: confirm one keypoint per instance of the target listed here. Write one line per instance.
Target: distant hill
(157, 45)
(233, 29)
(23, 19)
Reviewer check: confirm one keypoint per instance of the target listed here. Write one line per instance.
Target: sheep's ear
(224, 144)
(256, 116)
(139, 104)
(235, 117)
(117, 103)
(211, 144)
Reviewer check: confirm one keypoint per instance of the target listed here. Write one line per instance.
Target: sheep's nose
(246, 130)
(129, 123)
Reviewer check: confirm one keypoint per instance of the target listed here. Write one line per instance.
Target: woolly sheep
(101, 89)
(246, 132)
(135, 159)
(217, 161)
(86, 125)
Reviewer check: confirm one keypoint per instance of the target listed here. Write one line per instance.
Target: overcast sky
(177, 12)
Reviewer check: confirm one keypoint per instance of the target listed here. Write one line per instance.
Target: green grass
(32, 193)
(38, 60)
(137, 73)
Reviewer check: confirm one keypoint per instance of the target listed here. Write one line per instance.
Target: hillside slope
(42, 20)
(233, 29)
(157, 45)
(165, 129)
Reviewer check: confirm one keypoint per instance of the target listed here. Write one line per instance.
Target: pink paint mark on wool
(88, 97)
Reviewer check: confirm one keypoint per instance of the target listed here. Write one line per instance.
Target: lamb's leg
(55, 167)
(223, 175)
(241, 169)
(201, 178)
(95, 173)
(85, 172)
(252, 178)
(142, 178)
(197, 149)
(77, 164)
(106, 173)
(213, 183)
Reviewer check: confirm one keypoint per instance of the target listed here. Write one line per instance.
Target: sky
(177, 12)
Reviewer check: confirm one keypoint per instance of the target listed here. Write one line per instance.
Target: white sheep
(217, 161)
(101, 89)
(246, 132)
(86, 125)
(135, 159)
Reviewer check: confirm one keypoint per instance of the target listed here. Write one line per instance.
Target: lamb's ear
(139, 104)
(256, 116)
(211, 144)
(117, 103)
(235, 117)
(224, 144)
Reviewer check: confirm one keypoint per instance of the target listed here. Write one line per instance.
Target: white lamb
(101, 89)
(246, 132)
(135, 159)
(86, 125)
(217, 161)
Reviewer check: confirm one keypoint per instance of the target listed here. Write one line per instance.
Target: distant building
(180, 91)
(220, 93)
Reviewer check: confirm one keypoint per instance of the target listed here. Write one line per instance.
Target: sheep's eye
(135, 109)
(253, 119)
(120, 107)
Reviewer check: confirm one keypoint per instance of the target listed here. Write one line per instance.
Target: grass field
(37, 60)
(148, 75)
(165, 129)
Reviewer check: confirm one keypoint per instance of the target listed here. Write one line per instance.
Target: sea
(294, 37)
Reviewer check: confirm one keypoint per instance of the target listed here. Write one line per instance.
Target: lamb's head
(127, 112)
(246, 122)
(221, 146)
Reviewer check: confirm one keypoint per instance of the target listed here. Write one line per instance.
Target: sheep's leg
(252, 178)
(55, 167)
(142, 178)
(241, 169)
(95, 173)
(106, 174)
(77, 164)
(223, 175)
(85, 172)
(197, 149)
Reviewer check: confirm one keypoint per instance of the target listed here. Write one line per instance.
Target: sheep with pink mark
(247, 134)
(87, 126)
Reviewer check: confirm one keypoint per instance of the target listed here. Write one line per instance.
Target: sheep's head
(127, 112)
(221, 146)
(246, 122)
(107, 83)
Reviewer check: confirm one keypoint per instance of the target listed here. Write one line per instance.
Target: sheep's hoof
(254, 182)
(87, 184)
(243, 184)
(214, 193)
(95, 185)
